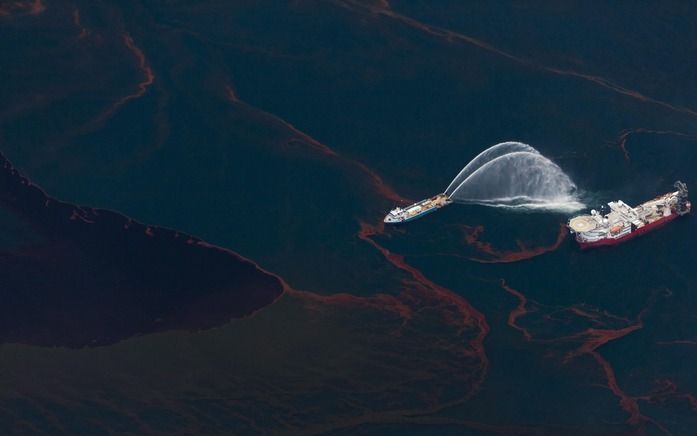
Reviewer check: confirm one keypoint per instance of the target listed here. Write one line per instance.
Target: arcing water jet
(509, 174)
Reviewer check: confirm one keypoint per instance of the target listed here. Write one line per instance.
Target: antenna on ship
(683, 203)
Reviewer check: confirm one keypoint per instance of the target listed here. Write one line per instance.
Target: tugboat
(417, 210)
(624, 222)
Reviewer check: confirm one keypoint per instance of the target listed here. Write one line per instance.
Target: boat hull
(417, 210)
(640, 231)
(414, 217)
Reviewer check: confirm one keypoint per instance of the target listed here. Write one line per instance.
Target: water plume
(515, 175)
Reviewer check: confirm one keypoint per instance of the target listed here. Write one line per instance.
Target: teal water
(284, 132)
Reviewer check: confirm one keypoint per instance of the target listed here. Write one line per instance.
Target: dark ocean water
(282, 132)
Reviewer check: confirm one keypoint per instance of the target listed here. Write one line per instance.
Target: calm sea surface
(283, 132)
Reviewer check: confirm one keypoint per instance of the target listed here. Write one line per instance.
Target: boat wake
(526, 204)
(515, 176)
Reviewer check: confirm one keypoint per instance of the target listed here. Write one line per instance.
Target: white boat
(417, 210)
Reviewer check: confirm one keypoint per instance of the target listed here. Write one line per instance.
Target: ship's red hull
(640, 231)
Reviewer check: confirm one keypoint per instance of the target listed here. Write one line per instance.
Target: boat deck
(409, 213)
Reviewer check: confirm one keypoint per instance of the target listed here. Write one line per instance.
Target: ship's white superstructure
(624, 221)
(416, 210)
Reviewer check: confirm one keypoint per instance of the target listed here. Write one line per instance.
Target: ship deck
(418, 209)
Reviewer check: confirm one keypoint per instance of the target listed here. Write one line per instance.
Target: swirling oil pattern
(191, 205)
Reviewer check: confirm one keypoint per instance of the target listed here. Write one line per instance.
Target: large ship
(417, 210)
(624, 222)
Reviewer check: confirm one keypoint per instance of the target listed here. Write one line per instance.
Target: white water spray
(515, 175)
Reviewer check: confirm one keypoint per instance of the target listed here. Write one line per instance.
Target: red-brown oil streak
(667, 389)
(597, 339)
(406, 305)
(33, 8)
(625, 134)
(141, 87)
(592, 339)
(467, 310)
(387, 192)
(385, 302)
(380, 186)
(383, 8)
(400, 304)
(505, 256)
(146, 71)
(388, 302)
(518, 311)
(367, 231)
